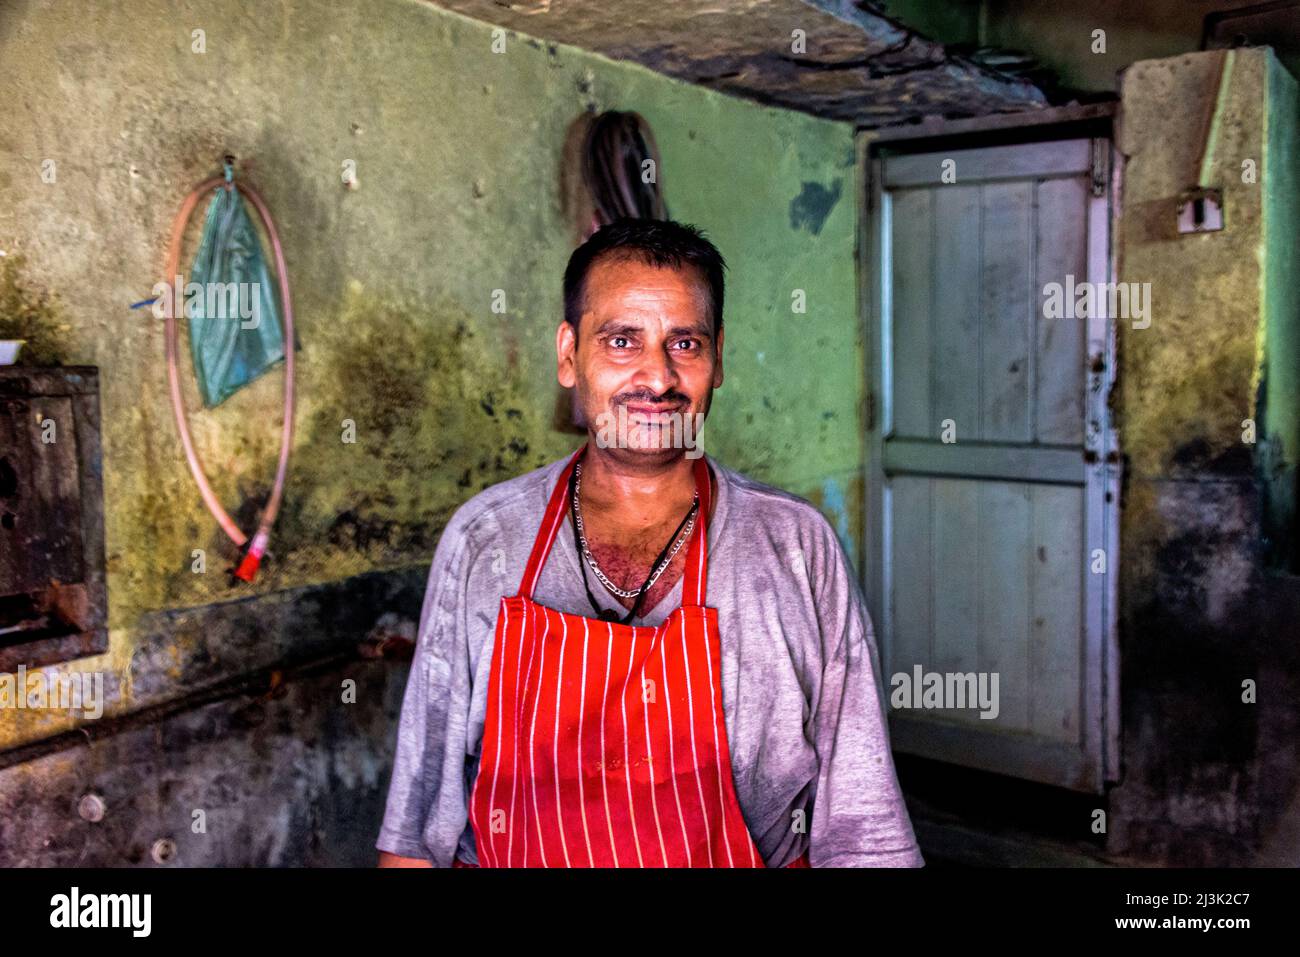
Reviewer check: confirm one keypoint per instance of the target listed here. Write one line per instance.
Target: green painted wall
(457, 153)
(1281, 399)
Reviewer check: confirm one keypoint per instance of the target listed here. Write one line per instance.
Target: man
(686, 674)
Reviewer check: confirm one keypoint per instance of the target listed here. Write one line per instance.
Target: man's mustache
(670, 398)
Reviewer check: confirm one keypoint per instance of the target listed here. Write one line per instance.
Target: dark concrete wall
(270, 747)
(1061, 35)
(1207, 776)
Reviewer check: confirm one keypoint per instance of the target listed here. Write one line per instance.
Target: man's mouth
(651, 410)
(652, 416)
(639, 424)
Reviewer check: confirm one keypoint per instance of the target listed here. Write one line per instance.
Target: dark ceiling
(857, 65)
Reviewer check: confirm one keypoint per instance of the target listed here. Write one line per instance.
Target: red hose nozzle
(247, 569)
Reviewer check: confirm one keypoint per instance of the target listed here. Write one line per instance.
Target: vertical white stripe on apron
(649, 753)
(662, 632)
(539, 641)
(722, 795)
(582, 711)
(555, 739)
(690, 705)
(520, 694)
(627, 759)
(522, 820)
(604, 764)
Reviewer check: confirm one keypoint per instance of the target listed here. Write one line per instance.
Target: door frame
(1101, 693)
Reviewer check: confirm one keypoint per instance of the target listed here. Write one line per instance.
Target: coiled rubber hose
(247, 569)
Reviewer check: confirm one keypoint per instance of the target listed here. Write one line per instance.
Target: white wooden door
(994, 475)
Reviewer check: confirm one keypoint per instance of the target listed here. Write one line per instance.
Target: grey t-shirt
(803, 701)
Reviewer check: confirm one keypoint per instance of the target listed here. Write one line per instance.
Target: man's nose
(656, 372)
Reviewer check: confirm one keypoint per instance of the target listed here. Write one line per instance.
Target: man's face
(645, 345)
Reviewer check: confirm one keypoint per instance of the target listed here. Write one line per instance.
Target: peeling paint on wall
(837, 510)
(814, 203)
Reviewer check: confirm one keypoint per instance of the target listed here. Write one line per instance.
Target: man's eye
(685, 345)
(619, 342)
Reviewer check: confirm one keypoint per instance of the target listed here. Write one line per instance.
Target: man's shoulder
(764, 522)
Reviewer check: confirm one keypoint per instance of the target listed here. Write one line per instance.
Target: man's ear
(717, 365)
(566, 345)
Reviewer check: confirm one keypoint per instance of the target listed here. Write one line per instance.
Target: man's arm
(392, 860)
(427, 805)
(859, 818)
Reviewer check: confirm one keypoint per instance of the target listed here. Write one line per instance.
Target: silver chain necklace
(591, 559)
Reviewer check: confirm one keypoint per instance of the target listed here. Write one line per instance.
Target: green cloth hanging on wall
(235, 331)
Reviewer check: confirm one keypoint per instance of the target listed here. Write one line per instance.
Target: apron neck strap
(697, 558)
(696, 581)
(551, 523)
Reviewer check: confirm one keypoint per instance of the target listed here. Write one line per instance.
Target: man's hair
(655, 242)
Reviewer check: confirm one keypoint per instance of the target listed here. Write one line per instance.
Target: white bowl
(9, 349)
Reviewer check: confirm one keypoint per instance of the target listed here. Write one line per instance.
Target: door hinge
(1100, 166)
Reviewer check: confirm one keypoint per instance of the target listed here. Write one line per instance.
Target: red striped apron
(604, 744)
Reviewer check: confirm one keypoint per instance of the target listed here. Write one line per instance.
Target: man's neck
(640, 492)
